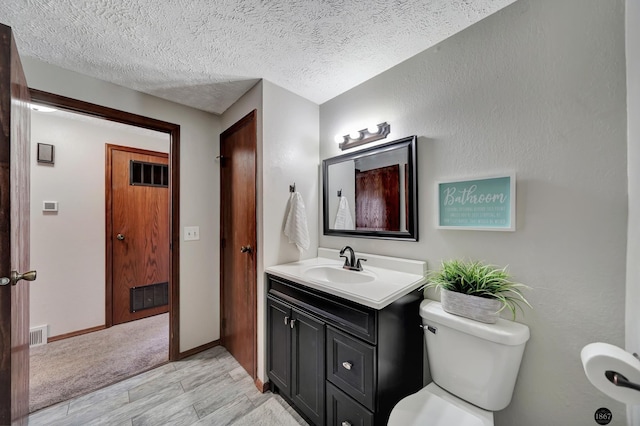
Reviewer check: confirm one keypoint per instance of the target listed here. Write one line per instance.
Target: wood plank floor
(209, 388)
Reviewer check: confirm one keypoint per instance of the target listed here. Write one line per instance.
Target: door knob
(15, 277)
(120, 237)
(246, 249)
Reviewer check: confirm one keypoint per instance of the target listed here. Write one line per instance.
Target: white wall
(290, 155)
(633, 242)
(68, 247)
(199, 134)
(537, 88)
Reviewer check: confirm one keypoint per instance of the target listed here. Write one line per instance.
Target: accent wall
(538, 89)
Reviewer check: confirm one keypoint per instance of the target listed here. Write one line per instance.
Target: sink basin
(383, 281)
(337, 275)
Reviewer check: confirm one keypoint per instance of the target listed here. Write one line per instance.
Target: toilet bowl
(434, 406)
(474, 367)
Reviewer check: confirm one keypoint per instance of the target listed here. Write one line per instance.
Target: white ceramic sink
(383, 281)
(337, 275)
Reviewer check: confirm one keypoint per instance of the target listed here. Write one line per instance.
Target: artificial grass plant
(477, 279)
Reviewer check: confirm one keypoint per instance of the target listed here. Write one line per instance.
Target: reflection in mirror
(372, 193)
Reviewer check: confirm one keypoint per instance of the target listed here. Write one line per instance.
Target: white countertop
(394, 277)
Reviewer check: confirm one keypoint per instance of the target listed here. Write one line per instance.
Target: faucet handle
(359, 265)
(346, 261)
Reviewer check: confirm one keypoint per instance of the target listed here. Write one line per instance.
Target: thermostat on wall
(49, 206)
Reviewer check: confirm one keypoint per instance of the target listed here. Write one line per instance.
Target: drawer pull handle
(346, 423)
(286, 320)
(292, 323)
(347, 365)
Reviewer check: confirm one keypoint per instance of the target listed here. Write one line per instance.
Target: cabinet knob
(347, 365)
(286, 320)
(345, 423)
(292, 323)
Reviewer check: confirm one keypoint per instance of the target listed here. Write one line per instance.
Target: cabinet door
(279, 345)
(307, 386)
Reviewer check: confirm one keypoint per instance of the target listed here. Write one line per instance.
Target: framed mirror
(372, 193)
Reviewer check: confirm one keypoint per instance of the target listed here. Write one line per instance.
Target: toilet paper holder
(619, 380)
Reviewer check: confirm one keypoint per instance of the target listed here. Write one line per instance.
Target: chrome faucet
(350, 262)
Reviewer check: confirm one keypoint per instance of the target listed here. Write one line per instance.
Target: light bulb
(42, 108)
(355, 135)
(373, 129)
(338, 139)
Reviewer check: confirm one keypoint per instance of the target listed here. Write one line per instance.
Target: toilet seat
(434, 406)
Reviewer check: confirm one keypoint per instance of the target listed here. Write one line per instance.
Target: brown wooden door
(15, 120)
(238, 234)
(139, 232)
(378, 199)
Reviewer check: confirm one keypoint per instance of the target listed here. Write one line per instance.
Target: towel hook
(292, 188)
(339, 192)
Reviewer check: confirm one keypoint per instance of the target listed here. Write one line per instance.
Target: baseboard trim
(75, 333)
(262, 387)
(198, 349)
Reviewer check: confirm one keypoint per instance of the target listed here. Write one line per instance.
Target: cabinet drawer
(344, 411)
(349, 316)
(350, 366)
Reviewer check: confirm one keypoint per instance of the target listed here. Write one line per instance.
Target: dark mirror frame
(412, 227)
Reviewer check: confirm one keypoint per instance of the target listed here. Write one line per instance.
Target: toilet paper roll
(598, 358)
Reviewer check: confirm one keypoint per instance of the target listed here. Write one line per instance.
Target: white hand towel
(296, 228)
(343, 217)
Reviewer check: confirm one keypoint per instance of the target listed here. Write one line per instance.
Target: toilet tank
(474, 361)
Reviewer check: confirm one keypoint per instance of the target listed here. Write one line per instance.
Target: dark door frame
(110, 114)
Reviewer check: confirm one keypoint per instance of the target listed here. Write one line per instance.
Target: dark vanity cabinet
(338, 362)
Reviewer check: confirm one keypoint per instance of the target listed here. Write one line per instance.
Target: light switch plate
(191, 233)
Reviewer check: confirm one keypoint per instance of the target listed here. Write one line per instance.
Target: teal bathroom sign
(487, 204)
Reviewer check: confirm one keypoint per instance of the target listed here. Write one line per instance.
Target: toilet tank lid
(505, 332)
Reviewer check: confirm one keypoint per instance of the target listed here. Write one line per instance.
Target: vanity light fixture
(361, 137)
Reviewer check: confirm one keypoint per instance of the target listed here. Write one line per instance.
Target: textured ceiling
(206, 54)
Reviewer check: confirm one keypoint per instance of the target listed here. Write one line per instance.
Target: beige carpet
(71, 367)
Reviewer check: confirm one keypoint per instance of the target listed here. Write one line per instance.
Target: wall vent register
(149, 174)
(149, 296)
(49, 206)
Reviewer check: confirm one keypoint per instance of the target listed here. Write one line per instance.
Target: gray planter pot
(468, 306)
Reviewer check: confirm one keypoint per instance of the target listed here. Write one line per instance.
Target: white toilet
(474, 368)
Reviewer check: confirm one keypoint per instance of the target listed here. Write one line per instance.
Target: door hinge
(223, 323)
